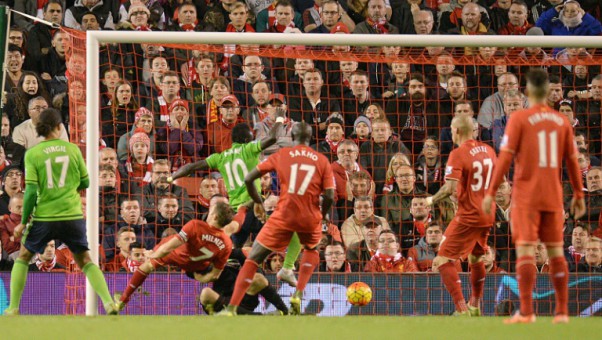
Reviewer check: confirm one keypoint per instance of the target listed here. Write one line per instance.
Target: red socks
(243, 282)
(136, 281)
(309, 261)
(559, 275)
(477, 282)
(451, 280)
(525, 274)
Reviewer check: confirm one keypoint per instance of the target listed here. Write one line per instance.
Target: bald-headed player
(537, 207)
(304, 175)
(468, 173)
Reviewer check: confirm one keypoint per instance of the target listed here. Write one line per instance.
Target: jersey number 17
(309, 170)
(64, 160)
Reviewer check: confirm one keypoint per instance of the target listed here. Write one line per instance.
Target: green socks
(97, 280)
(18, 278)
(292, 253)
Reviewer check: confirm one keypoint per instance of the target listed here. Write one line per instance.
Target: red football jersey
(471, 165)
(540, 139)
(304, 174)
(204, 245)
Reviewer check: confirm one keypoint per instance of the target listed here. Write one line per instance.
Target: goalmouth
(95, 38)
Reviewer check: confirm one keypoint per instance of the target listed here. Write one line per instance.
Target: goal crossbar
(95, 38)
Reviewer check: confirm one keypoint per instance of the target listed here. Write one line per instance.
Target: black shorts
(72, 233)
(249, 303)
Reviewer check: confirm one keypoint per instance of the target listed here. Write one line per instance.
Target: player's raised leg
(293, 250)
(135, 282)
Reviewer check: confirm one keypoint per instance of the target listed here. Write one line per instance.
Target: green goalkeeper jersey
(234, 164)
(57, 168)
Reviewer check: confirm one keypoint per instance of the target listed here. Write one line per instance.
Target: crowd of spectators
(385, 126)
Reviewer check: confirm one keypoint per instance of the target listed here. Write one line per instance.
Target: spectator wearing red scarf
(518, 24)
(336, 259)
(334, 135)
(388, 258)
(376, 22)
(220, 131)
(47, 261)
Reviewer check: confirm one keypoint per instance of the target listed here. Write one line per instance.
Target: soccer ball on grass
(359, 294)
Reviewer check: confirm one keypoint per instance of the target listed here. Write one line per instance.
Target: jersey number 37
(481, 174)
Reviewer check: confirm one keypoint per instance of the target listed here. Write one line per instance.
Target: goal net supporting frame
(95, 38)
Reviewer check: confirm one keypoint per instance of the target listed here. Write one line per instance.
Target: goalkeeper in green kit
(234, 164)
(55, 172)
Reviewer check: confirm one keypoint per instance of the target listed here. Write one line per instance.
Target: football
(359, 294)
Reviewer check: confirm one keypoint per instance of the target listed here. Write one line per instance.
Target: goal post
(95, 38)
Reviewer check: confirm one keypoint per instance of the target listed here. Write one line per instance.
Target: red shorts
(277, 238)
(531, 226)
(460, 241)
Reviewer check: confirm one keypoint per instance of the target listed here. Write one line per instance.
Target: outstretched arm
(446, 190)
(167, 248)
(272, 137)
(189, 168)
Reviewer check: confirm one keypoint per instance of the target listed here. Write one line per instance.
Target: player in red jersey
(201, 249)
(304, 175)
(538, 139)
(468, 173)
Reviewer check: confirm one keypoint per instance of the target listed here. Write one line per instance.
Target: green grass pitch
(287, 327)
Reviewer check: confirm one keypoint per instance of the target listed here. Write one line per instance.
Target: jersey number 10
(60, 159)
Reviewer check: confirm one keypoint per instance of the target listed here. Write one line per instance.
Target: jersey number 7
(309, 173)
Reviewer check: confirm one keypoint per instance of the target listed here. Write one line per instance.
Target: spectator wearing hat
(334, 135)
(362, 128)
(12, 183)
(180, 141)
(155, 15)
(139, 164)
(143, 120)
(25, 134)
(275, 103)
(135, 19)
(220, 131)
